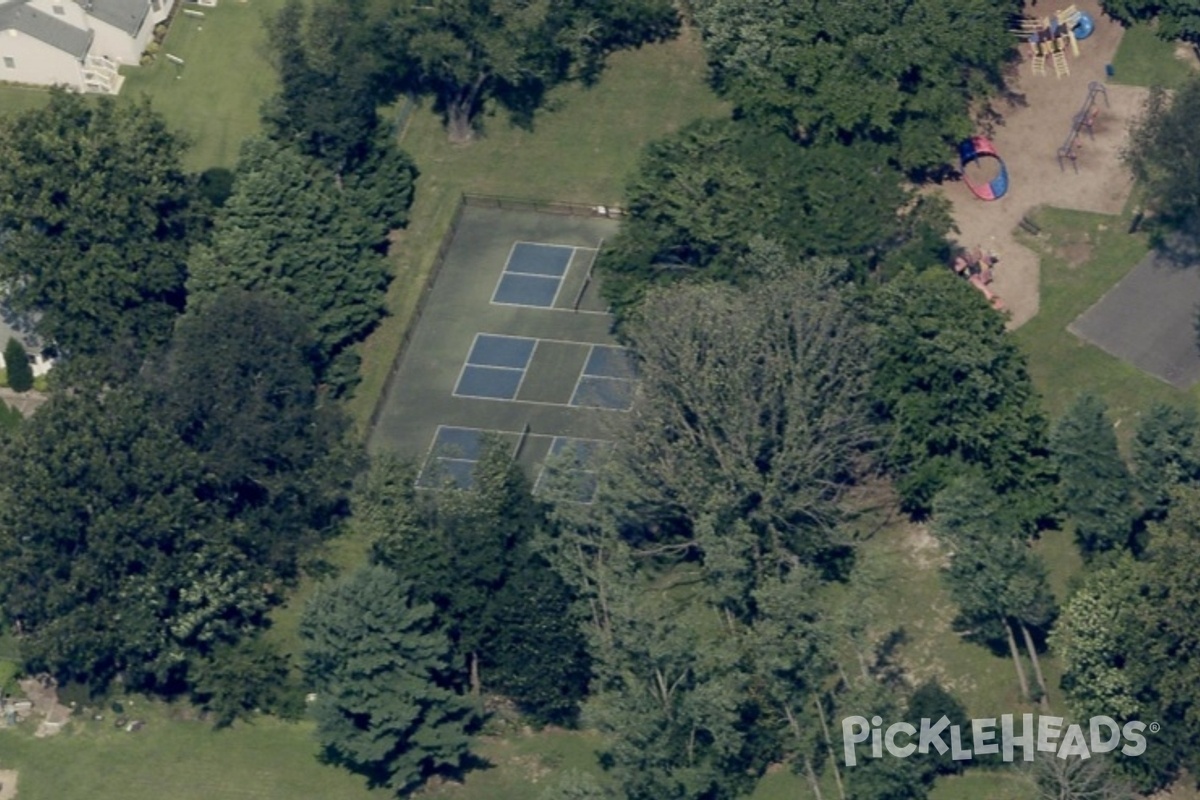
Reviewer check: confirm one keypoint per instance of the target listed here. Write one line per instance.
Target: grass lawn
(214, 98)
(1083, 256)
(175, 759)
(15, 99)
(582, 148)
(1143, 59)
(267, 760)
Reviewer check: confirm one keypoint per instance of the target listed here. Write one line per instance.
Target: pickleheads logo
(1047, 735)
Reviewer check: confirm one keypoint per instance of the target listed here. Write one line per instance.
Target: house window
(59, 10)
(8, 62)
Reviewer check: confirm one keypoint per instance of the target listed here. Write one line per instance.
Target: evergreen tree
(1166, 455)
(1096, 486)
(16, 364)
(931, 701)
(289, 229)
(382, 671)
(474, 556)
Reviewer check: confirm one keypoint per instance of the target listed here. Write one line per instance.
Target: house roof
(19, 15)
(125, 15)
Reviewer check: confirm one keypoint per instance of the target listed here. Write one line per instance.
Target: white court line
(437, 433)
(508, 269)
(525, 369)
(579, 377)
(578, 380)
(562, 279)
(559, 310)
(626, 350)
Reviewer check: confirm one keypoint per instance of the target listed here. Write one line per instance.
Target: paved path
(25, 402)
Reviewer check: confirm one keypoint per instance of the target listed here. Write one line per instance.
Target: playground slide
(1085, 26)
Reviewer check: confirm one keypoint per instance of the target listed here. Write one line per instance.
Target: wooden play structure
(1049, 38)
(978, 267)
(1086, 119)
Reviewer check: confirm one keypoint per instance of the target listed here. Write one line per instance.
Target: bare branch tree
(1075, 778)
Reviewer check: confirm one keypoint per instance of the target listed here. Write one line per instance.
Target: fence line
(430, 280)
(543, 206)
(400, 124)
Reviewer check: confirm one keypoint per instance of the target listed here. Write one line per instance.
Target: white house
(78, 44)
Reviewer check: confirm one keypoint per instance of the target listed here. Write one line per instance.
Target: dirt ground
(8, 784)
(1028, 126)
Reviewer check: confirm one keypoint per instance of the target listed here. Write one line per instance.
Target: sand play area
(8, 784)
(1028, 126)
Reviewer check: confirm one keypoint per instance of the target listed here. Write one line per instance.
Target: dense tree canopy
(1129, 642)
(467, 53)
(701, 195)
(474, 557)
(96, 218)
(899, 73)
(1166, 455)
(331, 81)
(111, 565)
(1177, 19)
(954, 391)
(288, 228)
(238, 388)
(16, 366)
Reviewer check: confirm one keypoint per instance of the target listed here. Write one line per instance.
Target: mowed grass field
(215, 97)
(1143, 59)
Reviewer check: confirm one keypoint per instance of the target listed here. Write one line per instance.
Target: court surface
(513, 347)
(1148, 320)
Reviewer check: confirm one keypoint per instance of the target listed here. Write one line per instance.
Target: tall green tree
(1162, 157)
(1096, 485)
(998, 582)
(289, 229)
(466, 54)
(329, 60)
(953, 391)
(475, 557)
(677, 708)
(901, 73)
(382, 671)
(752, 408)
(96, 216)
(16, 366)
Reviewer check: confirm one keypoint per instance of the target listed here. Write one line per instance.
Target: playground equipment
(1085, 119)
(977, 268)
(974, 149)
(1050, 37)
